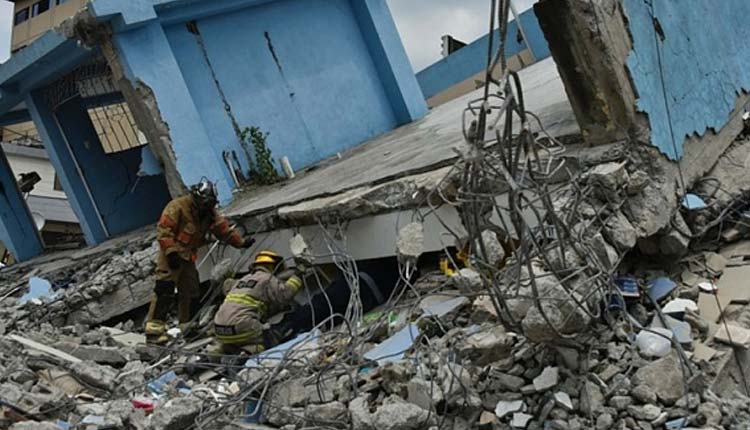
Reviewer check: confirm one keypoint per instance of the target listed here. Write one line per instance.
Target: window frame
(37, 5)
(19, 12)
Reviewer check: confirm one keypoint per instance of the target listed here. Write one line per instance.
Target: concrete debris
(609, 176)
(488, 346)
(521, 420)
(176, 414)
(490, 244)
(410, 243)
(676, 241)
(561, 338)
(396, 414)
(505, 408)
(664, 377)
(547, 380)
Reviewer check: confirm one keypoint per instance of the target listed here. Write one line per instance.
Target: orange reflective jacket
(183, 229)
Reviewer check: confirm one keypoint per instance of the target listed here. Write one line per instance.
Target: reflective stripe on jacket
(183, 229)
(255, 297)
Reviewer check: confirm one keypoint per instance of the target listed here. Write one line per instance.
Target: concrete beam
(66, 166)
(590, 43)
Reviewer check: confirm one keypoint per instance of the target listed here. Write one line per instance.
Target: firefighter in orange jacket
(182, 229)
(250, 301)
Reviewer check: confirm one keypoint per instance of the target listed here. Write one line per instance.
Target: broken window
(21, 16)
(39, 7)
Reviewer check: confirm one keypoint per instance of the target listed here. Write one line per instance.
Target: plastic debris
(443, 308)
(93, 419)
(660, 288)
(393, 348)
(676, 424)
(693, 202)
(708, 287)
(680, 306)
(253, 411)
(279, 352)
(147, 406)
(680, 329)
(158, 385)
(628, 286)
(655, 342)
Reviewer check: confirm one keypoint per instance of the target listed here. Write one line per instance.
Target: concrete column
(590, 42)
(390, 59)
(17, 229)
(148, 63)
(67, 168)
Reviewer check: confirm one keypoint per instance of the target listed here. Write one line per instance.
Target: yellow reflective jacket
(256, 296)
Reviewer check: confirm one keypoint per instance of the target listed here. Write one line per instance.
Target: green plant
(264, 172)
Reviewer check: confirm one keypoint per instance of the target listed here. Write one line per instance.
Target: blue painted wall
(17, 230)
(125, 201)
(472, 58)
(298, 70)
(687, 80)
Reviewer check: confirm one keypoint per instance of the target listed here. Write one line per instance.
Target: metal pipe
(517, 17)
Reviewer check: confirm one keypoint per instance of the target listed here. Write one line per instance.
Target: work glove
(247, 242)
(174, 261)
(301, 265)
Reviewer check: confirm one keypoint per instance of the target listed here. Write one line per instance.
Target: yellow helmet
(267, 257)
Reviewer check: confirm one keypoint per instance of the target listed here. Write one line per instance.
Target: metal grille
(116, 128)
(114, 123)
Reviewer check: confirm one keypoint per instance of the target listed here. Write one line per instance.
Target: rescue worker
(249, 301)
(182, 229)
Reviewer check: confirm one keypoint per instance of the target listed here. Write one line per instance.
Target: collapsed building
(588, 214)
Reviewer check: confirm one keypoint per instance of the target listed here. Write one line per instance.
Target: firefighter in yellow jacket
(182, 229)
(251, 300)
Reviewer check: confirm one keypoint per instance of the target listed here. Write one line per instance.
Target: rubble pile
(86, 289)
(564, 307)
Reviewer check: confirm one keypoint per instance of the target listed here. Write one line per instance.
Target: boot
(156, 332)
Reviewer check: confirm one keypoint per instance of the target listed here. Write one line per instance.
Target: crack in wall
(139, 96)
(289, 88)
(192, 27)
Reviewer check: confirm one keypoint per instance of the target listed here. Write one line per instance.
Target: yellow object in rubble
(447, 268)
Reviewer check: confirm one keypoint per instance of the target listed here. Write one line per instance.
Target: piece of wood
(198, 344)
(739, 249)
(734, 285)
(125, 338)
(733, 335)
(708, 308)
(703, 352)
(207, 376)
(715, 262)
(44, 349)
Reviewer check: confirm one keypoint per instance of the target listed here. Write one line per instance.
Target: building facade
(464, 70)
(316, 76)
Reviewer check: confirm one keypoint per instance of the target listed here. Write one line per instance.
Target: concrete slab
(415, 148)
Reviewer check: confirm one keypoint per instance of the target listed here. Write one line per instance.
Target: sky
(423, 22)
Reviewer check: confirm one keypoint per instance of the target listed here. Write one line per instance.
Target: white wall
(44, 168)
